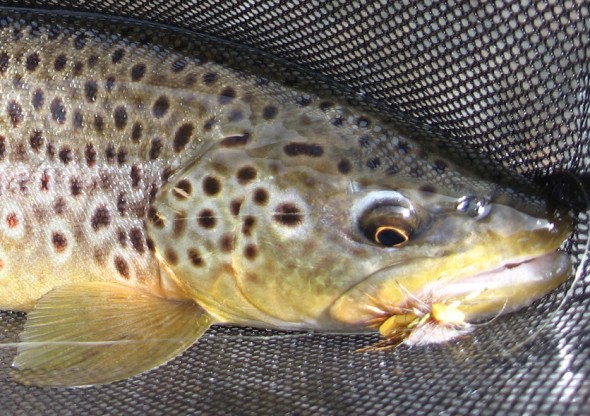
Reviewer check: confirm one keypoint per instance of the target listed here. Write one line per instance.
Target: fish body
(148, 191)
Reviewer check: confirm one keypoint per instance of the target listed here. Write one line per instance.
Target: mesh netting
(502, 85)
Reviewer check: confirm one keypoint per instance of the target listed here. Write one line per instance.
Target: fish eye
(385, 228)
(390, 236)
(387, 219)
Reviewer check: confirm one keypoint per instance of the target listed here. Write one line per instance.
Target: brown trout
(148, 191)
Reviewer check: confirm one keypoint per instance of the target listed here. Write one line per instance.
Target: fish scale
(150, 189)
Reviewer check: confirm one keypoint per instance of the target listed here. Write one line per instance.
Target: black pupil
(390, 237)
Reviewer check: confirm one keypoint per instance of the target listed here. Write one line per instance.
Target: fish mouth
(511, 285)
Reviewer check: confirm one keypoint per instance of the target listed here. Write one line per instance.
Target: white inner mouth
(514, 276)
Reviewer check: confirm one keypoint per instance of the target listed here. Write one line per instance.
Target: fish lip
(511, 267)
(538, 275)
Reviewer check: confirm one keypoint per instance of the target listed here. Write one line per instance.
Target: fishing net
(501, 85)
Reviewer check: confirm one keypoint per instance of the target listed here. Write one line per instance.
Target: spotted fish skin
(94, 122)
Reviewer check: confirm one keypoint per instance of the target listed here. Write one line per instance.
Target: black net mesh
(503, 85)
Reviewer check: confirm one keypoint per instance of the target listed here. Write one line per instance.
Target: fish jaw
(435, 299)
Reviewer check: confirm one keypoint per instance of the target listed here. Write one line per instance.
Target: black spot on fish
(260, 196)
(303, 100)
(179, 64)
(78, 119)
(251, 252)
(364, 141)
(337, 121)
(80, 41)
(235, 116)
(183, 189)
(54, 32)
(4, 62)
(117, 55)
(246, 174)
(38, 99)
(78, 68)
(235, 206)
(122, 237)
(98, 123)
(156, 148)
(363, 122)
(66, 155)
(75, 186)
(179, 223)
(167, 173)
(160, 107)
(211, 185)
(209, 78)
(120, 117)
(288, 214)
(58, 111)
(227, 242)
(90, 90)
(122, 204)
(403, 147)
(121, 156)
(101, 218)
(110, 152)
(227, 95)
(92, 61)
(136, 238)
(248, 225)
(171, 256)
(190, 80)
(110, 84)
(344, 166)
(32, 62)
(17, 81)
(135, 175)
(50, 150)
(45, 181)
(36, 140)
(182, 136)
(303, 149)
(206, 219)
(439, 165)
(374, 163)
(122, 267)
(90, 155)
(59, 241)
(137, 71)
(235, 141)
(262, 81)
(15, 113)
(269, 112)
(195, 257)
(59, 206)
(136, 132)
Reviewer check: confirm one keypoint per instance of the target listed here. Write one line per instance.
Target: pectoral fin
(97, 333)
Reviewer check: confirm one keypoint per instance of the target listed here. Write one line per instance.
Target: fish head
(302, 235)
